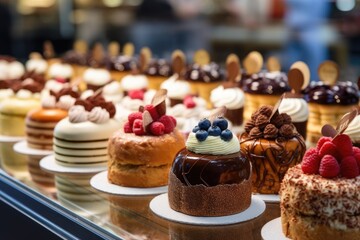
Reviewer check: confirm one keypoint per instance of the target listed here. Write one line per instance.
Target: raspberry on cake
(210, 177)
(320, 197)
(273, 145)
(140, 154)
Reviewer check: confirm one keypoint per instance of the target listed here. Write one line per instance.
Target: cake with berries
(210, 177)
(40, 123)
(157, 72)
(80, 140)
(177, 89)
(273, 145)
(121, 65)
(96, 78)
(140, 154)
(320, 197)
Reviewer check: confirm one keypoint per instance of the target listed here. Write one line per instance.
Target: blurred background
(307, 30)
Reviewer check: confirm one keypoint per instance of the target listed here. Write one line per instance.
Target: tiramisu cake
(210, 177)
(320, 197)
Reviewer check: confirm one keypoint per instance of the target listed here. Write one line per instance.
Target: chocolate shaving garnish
(233, 68)
(145, 56)
(159, 101)
(276, 108)
(178, 63)
(345, 121)
(147, 120)
(33, 87)
(109, 107)
(87, 105)
(270, 131)
(217, 112)
(273, 64)
(296, 80)
(328, 131)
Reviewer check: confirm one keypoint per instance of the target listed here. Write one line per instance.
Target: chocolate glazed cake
(214, 183)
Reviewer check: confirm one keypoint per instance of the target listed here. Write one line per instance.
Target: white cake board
(10, 139)
(160, 206)
(273, 230)
(100, 182)
(49, 164)
(268, 198)
(22, 148)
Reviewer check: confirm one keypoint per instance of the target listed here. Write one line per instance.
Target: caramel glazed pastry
(273, 145)
(210, 177)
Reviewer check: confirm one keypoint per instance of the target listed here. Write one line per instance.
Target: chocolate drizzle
(97, 101)
(210, 170)
(207, 73)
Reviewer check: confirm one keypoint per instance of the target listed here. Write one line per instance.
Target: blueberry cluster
(218, 128)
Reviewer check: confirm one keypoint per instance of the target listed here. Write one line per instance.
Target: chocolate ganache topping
(159, 67)
(343, 93)
(74, 57)
(121, 63)
(212, 156)
(267, 83)
(206, 73)
(97, 101)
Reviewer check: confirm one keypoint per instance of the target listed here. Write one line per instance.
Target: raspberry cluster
(333, 157)
(136, 94)
(97, 101)
(159, 126)
(216, 129)
(189, 102)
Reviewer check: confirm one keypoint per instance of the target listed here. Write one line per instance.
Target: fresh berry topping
(344, 145)
(157, 128)
(356, 150)
(329, 167)
(138, 128)
(195, 129)
(127, 127)
(321, 141)
(357, 157)
(204, 124)
(173, 120)
(168, 123)
(214, 131)
(189, 103)
(187, 97)
(349, 167)
(221, 123)
(201, 135)
(133, 116)
(226, 135)
(311, 162)
(153, 112)
(328, 148)
(136, 94)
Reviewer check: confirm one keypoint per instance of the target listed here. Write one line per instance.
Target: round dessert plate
(272, 230)
(22, 148)
(10, 139)
(100, 182)
(160, 206)
(269, 198)
(49, 164)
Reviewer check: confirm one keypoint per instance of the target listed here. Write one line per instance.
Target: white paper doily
(101, 183)
(23, 148)
(272, 230)
(160, 206)
(269, 198)
(49, 164)
(10, 139)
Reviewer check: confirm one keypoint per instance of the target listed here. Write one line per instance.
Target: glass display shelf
(71, 209)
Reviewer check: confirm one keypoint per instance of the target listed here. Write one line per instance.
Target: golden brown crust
(139, 175)
(298, 227)
(199, 200)
(127, 148)
(47, 115)
(142, 161)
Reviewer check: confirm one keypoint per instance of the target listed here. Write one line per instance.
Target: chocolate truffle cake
(210, 177)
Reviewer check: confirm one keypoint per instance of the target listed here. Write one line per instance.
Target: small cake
(96, 78)
(328, 99)
(157, 72)
(36, 64)
(320, 197)
(10, 69)
(121, 65)
(293, 102)
(261, 87)
(77, 57)
(210, 177)
(80, 140)
(229, 94)
(140, 154)
(204, 75)
(60, 72)
(40, 123)
(273, 145)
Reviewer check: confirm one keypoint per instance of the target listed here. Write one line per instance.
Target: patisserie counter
(129, 217)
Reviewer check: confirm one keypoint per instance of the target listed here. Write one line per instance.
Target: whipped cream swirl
(98, 115)
(134, 82)
(48, 101)
(112, 92)
(212, 145)
(78, 114)
(231, 98)
(60, 70)
(296, 108)
(65, 102)
(176, 89)
(37, 65)
(97, 77)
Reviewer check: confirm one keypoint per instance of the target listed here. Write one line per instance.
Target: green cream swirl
(212, 145)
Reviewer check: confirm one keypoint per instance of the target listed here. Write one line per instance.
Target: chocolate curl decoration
(145, 57)
(275, 110)
(273, 64)
(233, 71)
(178, 63)
(328, 72)
(253, 62)
(328, 130)
(146, 119)
(202, 57)
(128, 49)
(159, 101)
(217, 112)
